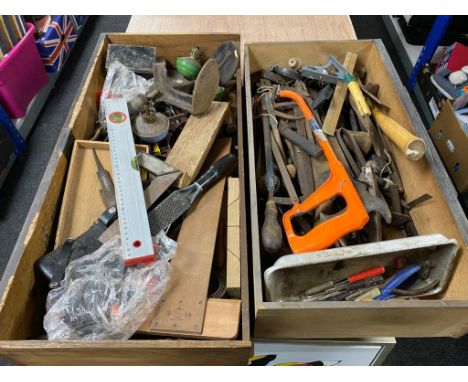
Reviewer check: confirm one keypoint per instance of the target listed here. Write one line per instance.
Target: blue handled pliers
(398, 279)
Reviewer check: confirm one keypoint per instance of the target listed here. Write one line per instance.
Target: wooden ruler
(182, 308)
(222, 318)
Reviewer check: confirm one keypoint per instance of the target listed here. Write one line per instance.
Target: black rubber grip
(218, 170)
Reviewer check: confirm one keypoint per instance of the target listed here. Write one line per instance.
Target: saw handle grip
(339, 183)
(325, 234)
(412, 146)
(217, 170)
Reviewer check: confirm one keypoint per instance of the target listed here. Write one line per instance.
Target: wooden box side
(243, 239)
(348, 320)
(131, 353)
(19, 316)
(82, 121)
(435, 215)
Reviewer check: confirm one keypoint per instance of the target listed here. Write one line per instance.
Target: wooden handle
(413, 147)
(358, 97)
(272, 236)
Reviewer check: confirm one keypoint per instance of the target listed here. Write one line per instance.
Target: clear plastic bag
(100, 298)
(121, 82)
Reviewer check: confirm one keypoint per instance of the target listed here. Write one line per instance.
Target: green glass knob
(190, 66)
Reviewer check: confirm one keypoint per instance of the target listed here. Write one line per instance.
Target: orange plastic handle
(366, 274)
(353, 218)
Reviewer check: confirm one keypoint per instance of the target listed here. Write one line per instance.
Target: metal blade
(170, 209)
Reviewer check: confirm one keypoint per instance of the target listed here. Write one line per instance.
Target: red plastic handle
(364, 275)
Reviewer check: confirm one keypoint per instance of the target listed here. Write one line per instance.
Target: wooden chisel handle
(272, 235)
(413, 147)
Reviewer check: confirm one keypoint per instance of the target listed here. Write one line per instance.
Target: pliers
(398, 279)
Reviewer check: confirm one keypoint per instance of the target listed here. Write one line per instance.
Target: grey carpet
(19, 189)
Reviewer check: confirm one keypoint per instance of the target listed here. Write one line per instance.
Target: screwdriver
(372, 272)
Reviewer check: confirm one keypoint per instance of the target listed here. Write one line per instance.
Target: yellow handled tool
(356, 93)
(324, 73)
(412, 146)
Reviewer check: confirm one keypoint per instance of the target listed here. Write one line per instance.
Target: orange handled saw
(353, 218)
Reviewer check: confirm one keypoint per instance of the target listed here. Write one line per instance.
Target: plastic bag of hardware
(100, 298)
(121, 82)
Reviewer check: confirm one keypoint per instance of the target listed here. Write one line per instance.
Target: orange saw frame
(339, 183)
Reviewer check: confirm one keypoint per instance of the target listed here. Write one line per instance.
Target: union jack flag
(57, 42)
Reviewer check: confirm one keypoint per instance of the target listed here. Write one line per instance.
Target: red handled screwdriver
(377, 271)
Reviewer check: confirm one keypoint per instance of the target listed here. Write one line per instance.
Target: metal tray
(291, 275)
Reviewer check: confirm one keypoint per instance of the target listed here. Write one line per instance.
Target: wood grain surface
(76, 216)
(339, 96)
(182, 308)
(252, 28)
(195, 141)
(17, 311)
(233, 274)
(221, 322)
(131, 352)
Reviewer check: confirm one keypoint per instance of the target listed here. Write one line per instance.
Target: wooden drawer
(21, 308)
(446, 315)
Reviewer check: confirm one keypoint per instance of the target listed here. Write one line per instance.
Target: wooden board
(222, 318)
(233, 239)
(82, 203)
(131, 352)
(18, 315)
(365, 319)
(195, 142)
(339, 96)
(182, 308)
(252, 28)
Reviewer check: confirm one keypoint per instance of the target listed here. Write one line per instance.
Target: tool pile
(369, 285)
(187, 115)
(328, 176)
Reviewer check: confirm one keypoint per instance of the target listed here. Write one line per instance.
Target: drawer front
(353, 321)
(132, 353)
